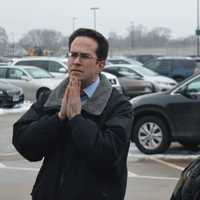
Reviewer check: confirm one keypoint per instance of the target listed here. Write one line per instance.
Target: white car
(54, 65)
(163, 83)
(122, 60)
(33, 80)
(113, 80)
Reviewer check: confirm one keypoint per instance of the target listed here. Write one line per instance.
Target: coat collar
(95, 105)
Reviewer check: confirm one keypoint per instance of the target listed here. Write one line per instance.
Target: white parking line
(130, 174)
(157, 178)
(2, 165)
(168, 164)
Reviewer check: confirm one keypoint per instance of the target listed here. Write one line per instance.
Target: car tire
(41, 91)
(151, 135)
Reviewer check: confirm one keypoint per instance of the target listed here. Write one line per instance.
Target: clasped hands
(71, 102)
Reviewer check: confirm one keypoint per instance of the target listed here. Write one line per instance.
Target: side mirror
(62, 70)
(26, 78)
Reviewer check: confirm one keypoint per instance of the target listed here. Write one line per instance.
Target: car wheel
(151, 135)
(42, 91)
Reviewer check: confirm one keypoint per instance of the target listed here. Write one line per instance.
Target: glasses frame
(81, 56)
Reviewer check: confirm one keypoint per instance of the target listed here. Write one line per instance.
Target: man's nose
(77, 59)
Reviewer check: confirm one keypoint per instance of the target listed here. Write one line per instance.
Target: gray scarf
(95, 105)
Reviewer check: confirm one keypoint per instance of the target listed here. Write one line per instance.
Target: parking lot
(149, 178)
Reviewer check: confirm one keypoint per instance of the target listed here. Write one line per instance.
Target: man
(84, 140)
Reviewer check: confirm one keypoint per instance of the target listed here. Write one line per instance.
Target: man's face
(83, 62)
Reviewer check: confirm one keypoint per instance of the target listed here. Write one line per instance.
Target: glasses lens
(73, 54)
(83, 56)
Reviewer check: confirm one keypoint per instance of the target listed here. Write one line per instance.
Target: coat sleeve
(104, 147)
(35, 134)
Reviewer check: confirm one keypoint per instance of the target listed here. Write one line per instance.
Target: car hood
(158, 98)
(161, 79)
(46, 82)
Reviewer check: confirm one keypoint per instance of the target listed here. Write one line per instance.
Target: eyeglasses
(82, 56)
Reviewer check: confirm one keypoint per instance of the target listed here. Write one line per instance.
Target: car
(197, 60)
(178, 68)
(10, 95)
(161, 83)
(33, 80)
(161, 118)
(143, 57)
(122, 60)
(132, 85)
(113, 80)
(58, 67)
(54, 65)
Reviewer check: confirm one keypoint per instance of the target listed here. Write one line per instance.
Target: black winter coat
(85, 157)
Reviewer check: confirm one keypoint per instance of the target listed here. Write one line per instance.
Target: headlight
(21, 91)
(162, 83)
(113, 81)
(148, 89)
(1, 92)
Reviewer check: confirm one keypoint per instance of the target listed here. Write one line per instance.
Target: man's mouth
(76, 70)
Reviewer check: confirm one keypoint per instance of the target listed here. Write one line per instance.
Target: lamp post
(198, 28)
(12, 40)
(73, 23)
(94, 15)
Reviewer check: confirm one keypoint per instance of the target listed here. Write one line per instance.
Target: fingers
(62, 112)
(71, 103)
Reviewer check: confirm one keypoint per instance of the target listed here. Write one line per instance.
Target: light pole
(94, 15)
(197, 30)
(73, 23)
(12, 40)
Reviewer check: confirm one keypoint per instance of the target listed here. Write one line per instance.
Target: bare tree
(3, 41)
(46, 39)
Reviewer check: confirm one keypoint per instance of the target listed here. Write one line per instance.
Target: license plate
(15, 98)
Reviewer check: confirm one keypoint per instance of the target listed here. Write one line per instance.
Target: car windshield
(38, 73)
(145, 71)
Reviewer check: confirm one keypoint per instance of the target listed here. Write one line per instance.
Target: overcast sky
(20, 16)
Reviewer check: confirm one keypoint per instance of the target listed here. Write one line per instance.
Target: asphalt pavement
(7, 151)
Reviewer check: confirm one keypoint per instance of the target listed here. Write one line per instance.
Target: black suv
(177, 68)
(161, 118)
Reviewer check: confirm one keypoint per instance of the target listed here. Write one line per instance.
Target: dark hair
(103, 46)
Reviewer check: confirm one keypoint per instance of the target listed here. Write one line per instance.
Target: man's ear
(102, 64)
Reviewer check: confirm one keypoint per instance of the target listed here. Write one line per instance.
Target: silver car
(33, 80)
(162, 83)
(54, 65)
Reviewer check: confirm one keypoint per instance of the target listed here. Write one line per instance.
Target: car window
(194, 87)
(165, 67)
(15, 74)
(153, 65)
(54, 66)
(118, 61)
(112, 71)
(3, 72)
(187, 64)
(44, 64)
(128, 72)
(23, 62)
(38, 73)
(144, 71)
